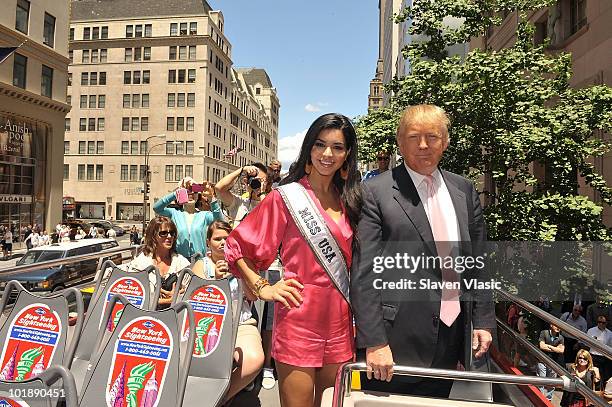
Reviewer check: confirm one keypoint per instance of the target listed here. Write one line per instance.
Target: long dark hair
(150, 242)
(350, 190)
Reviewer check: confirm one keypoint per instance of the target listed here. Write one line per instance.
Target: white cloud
(312, 108)
(289, 149)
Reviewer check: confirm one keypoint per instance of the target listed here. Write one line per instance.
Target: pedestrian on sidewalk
(8, 244)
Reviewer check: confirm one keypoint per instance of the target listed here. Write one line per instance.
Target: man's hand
(379, 360)
(481, 340)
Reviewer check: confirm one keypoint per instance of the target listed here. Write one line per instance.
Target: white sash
(315, 231)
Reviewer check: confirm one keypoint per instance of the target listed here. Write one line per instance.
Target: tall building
(153, 84)
(579, 27)
(32, 110)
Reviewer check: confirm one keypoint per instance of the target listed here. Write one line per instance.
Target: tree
(511, 110)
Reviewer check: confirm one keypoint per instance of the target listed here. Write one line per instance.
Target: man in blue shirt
(382, 159)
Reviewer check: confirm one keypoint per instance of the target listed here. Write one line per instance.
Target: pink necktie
(449, 305)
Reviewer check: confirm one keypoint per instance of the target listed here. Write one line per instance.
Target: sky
(319, 54)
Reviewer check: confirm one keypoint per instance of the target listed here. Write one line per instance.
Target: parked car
(66, 275)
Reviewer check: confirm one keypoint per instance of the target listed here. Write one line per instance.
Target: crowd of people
(31, 235)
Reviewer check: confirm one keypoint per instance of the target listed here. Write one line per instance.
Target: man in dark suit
(418, 207)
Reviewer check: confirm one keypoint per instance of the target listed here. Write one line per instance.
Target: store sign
(26, 199)
(17, 134)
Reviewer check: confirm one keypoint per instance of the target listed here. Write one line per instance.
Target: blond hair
(425, 114)
(587, 355)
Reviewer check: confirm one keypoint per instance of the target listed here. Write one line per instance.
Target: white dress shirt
(605, 337)
(444, 199)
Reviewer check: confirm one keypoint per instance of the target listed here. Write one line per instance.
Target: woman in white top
(160, 251)
(249, 355)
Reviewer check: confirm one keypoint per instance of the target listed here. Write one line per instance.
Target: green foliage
(511, 111)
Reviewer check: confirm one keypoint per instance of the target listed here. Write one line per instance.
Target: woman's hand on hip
(287, 292)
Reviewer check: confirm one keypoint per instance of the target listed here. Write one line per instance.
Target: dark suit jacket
(393, 212)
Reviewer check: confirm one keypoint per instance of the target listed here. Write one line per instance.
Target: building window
(136, 100)
(577, 14)
(129, 31)
(172, 53)
(124, 172)
(126, 100)
(169, 147)
(22, 16)
(66, 171)
(81, 172)
(143, 147)
(92, 101)
(90, 172)
(147, 54)
(148, 30)
(181, 76)
(99, 147)
(103, 54)
(181, 100)
(128, 55)
(133, 173)
(125, 124)
(82, 147)
(138, 30)
(82, 124)
(86, 33)
(85, 56)
(146, 77)
(173, 29)
(104, 34)
(171, 99)
(101, 101)
(145, 100)
(135, 123)
(91, 147)
(66, 147)
(189, 147)
(191, 100)
(191, 76)
(193, 28)
(136, 77)
(144, 124)
(190, 124)
(49, 30)
(182, 52)
(258, 91)
(178, 172)
(180, 124)
(172, 76)
(93, 78)
(134, 148)
(192, 52)
(95, 34)
(20, 67)
(101, 124)
(169, 169)
(71, 56)
(127, 77)
(125, 147)
(102, 78)
(170, 124)
(99, 172)
(137, 54)
(71, 35)
(183, 28)
(180, 148)
(189, 170)
(94, 56)
(46, 81)
(67, 124)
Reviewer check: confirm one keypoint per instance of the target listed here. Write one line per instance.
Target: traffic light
(148, 189)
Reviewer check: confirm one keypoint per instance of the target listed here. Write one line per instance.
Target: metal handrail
(564, 326)
(560, 370)
(59, 262)
(342, 387)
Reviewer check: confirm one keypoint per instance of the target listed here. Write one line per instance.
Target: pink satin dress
(320, 330)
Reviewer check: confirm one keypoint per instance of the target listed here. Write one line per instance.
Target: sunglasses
(165, 233)
(581, 358)
(601, 322)
(382, 158)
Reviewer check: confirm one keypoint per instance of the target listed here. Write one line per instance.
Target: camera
(197, 187)
(253, 182)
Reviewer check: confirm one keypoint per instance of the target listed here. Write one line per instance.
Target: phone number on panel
(36, 393)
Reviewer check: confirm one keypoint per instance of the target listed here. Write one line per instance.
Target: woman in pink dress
(313, 331)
